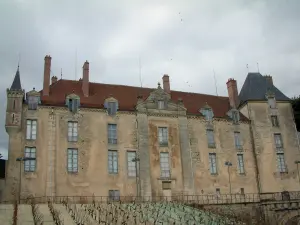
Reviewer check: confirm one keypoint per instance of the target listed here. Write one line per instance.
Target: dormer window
(33, 99)
(207, 113)
(272, 102)
(235, 116)
(73, 103)
(161, 104)
(111, 104)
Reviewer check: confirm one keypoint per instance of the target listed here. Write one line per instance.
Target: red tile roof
(127, 97)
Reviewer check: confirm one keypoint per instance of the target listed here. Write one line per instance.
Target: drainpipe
(254, 152)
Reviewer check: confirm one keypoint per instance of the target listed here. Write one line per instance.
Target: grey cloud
(219, 35)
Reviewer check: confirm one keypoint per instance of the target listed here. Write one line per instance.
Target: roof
(255, 88)
(16, 85)
(127, 97)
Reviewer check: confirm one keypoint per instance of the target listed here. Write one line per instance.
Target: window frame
(272, 102)
(161, 104)
(71, 160)
(112, 133)
(113, 157)
(281, 165)
(274, 121)
(213, 167)
(33, 102)
(131, 166)
(235, 117)
(114, 195)
(72, 129)
(30, 135)
(112, 108)
(241, 163)
(237, 140)
(278, 141)
(164, 162)
(211, 138)
(29, 164)
(163, 136)
(208, 114)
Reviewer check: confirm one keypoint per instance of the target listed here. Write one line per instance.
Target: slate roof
(127, 97)
(255, 88)
(16, 85)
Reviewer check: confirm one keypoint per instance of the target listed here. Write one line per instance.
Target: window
(278, 142)
(218, 191)
(73, 104)
(237, 140)
(208, 114)
(166, 185)
(235, 116)
(161, 104)
(272, 102)
(241, 167)
(112, 133)
(213, 163)
(72, 131)
(72, 160)
(114, 195)
(112, 108)
(131, 164)
(30, 165)
(33, 102)
(14, 105)
(210, 139)
(13, 118)
(31, 130)
(112, 162)
(242, 191)
(163, 136)
(281, 163)
(164, 165)
(274, 120)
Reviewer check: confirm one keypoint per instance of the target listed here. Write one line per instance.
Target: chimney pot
(233, 93)
(53, 79)
(47, 69)
(85, 79)
(269, 79)
(166, 83)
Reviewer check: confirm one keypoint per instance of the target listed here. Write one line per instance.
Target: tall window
(72, 160)
(164, 165)
(274, 120)
(112, 108)
(33, 102)
(73, 104)
(235, 116)
(131, 164)
(213, 163)
(112, 162)
(208, 114)
(211, 139)
(114, 195)
(72, 131)
(30, 165)
(237, 140)
(112, 133)
(163, 136)
(278, 142)
(281, 163)
(241, 167)
(31, 130)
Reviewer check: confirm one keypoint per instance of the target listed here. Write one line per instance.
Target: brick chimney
(53, 79)
(47, 68)
(269, 79)
(166, 83)
(85, 79)
(233, 93)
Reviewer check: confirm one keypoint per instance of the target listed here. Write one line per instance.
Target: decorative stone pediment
(73, 96)
(34, 93)
(110, 99)
(159, 95)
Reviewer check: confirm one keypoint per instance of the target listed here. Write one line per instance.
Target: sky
(135, 42)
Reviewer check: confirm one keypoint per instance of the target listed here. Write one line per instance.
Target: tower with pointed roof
(13, 126)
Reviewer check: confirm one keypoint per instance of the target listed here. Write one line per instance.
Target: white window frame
(30, 165)
(113, 158)
(72, 131)
(165, 171)
(161, 104)
(213, 163)
(240, 163)
(131, 165)
(33, 102)
(72, 160)
(272, 102)
(31, 129)
(274, 121)
(278, 142)
(281, 166)
(112, 108)
(112, 137)
(163, 136)
(208, 113)
(237, 140)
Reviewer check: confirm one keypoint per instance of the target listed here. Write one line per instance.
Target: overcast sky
(186, 39)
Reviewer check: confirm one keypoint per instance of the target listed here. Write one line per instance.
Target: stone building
(84, 138)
